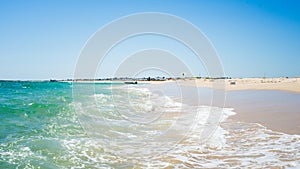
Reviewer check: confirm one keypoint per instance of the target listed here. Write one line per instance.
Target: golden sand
(287, 84)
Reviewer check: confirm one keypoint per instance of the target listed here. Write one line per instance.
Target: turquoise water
(86, 125)
(39, 125)
(35, 117)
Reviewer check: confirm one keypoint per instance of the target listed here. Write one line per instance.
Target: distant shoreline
(237, 84)
(228, 84)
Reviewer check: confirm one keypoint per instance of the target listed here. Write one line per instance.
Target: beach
(265, 112)
(234, 84)
(146, 125)
(272, 102)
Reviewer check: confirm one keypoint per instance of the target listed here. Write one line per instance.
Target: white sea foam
(135, 128)
(175, 136)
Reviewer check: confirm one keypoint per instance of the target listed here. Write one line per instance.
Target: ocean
(113, 125)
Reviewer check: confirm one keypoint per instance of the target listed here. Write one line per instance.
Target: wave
(132, 127)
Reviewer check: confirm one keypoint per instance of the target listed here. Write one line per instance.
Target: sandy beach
(272, 102)
(286, 84)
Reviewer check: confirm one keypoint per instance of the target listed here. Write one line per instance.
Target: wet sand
(274, 109)
(277, 110)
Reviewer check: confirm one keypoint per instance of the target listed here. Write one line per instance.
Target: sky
(253, 38)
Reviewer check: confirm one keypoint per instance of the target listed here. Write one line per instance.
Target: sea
(115, 125)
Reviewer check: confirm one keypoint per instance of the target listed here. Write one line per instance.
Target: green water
(35, 117)
(40, 127)
(85, 125)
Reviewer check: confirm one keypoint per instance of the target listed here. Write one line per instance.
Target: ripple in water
(132, 128)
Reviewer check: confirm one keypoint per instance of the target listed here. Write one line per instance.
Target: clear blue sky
(42, 39)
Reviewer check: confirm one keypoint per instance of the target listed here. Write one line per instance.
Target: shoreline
(227, 84)
(271, 102)
(251, 98)
(234, 84)
(276, 109)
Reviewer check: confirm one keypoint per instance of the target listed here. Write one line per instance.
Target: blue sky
(42, 39)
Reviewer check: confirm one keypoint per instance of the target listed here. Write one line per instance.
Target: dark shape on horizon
(130, 82)
(232, 83)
